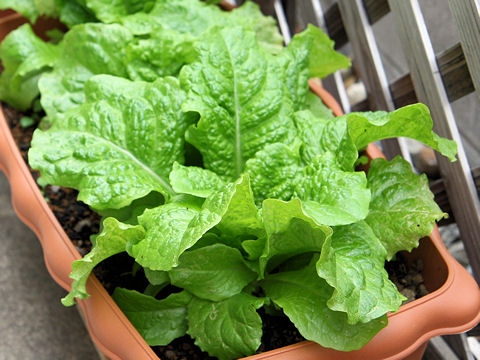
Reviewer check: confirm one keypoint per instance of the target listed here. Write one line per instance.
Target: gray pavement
(33, 323)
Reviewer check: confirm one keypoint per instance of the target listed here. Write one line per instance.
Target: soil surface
(409, 281)
(79, 222)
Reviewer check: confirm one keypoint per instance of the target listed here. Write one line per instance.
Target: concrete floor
(33, 323)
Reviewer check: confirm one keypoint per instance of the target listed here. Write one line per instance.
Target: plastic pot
(452, 306)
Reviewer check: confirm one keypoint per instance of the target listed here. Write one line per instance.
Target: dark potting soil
(79, 222)
(409, 281)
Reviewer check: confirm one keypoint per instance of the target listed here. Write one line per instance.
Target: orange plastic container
(453, 305)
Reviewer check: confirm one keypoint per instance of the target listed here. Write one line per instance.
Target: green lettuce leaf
(309, 54)
(228, 329)
(250, 16)
(158, 321)
(110, 11)
(303, 296)
(153, 111)
(214, 272)
(25, 7)
(320, 135)
(130, 213)
(73, 12)
(195, 181)
(49, 8)
(254, 249)
(184, 16)
(165, 227)
(112, 49)
(413, 121)
(289, 232)
(239, 95)
(89, 49)
(240, 221)
(161, 53)
(330, 196)
(70, 12)
(194, 17)
(112, 240)
(352, 262)
(175, 227)
(402, 209)
(317, 107)
(321, 58)
(155, 277)
(242, 218)
(24, 57)
(274, 172)
(117, 147)
(347, 134)
(166, 42)
(211, 238)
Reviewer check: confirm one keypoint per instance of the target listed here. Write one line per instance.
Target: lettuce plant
(274, 213)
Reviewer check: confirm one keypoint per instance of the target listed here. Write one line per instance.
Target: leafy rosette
(134, 39)
(273, 213)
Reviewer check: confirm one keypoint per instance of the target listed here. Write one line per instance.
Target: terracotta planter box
(453, 305)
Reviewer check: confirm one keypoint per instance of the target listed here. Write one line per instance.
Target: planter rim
(102, 314)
